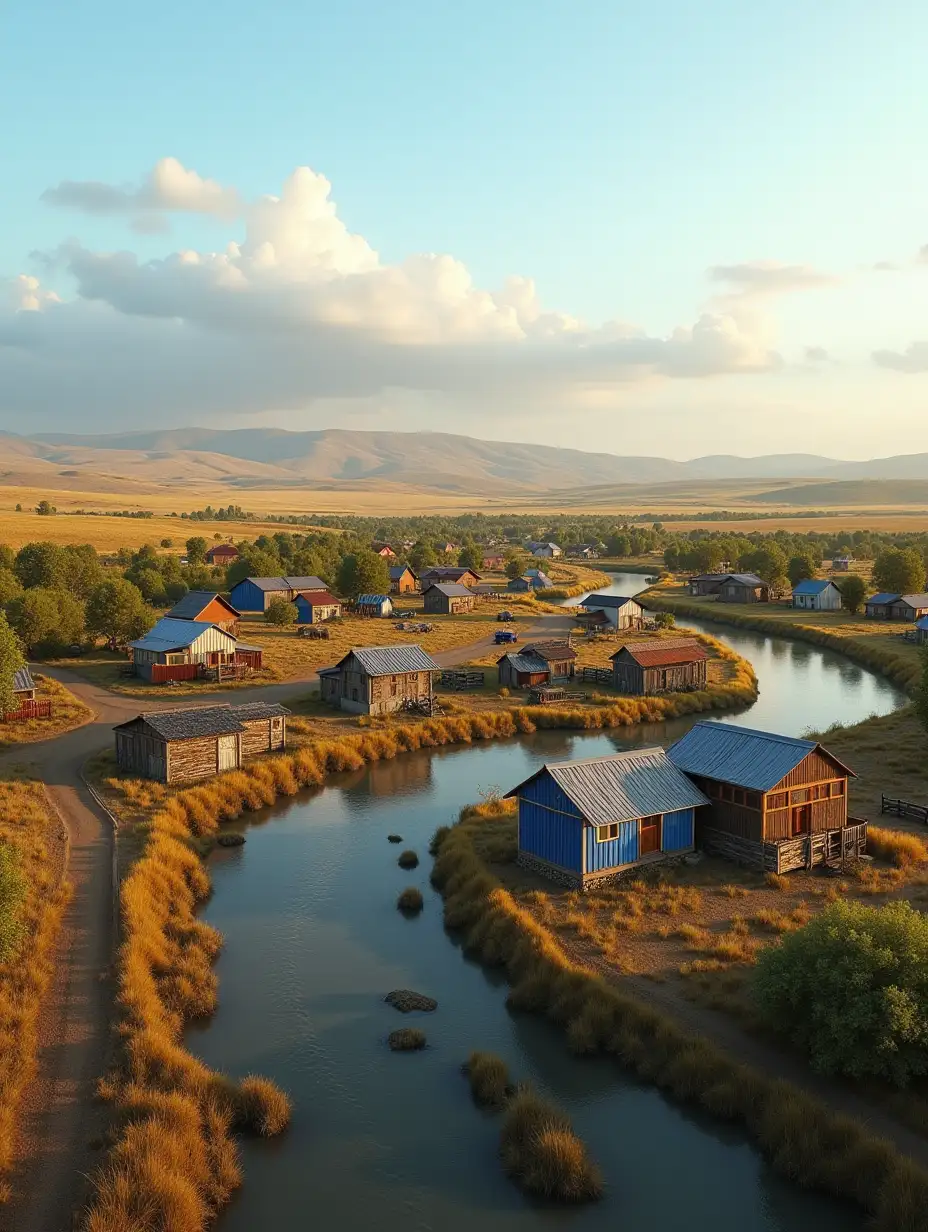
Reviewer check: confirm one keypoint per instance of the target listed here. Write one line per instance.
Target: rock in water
(405, 1001)
(230, 840)
(394, 838)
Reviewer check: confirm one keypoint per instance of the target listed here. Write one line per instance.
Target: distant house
(841, 564)
(379, 679)
(877, 607)
(815, 595)
(921, 630)
(521, 671)
(23, 686)
(447, 599)
(374, 605)
(744, 588)
(777, 802)
(447, 549)
(560, 657)
(535, 580)
(181, 746)
(582, 822)
(620, 611)
(494, 563)
(403, 580)
(449, 573)
(667, 666)
(384, 550)
(208, 608)
(222, 554)
(549, 550)
(706, 583)
(255, 593)
(185, 649)
(582, 551)
(889, 606)
(316, 606)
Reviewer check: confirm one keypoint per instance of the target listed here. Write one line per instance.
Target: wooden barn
(620, 611)
(776, 802)
(222, 554)
(403, 580)
(379, 679)
(706, 583)
(374, 605)
(817, 595)
(253, 594)
(669, 666)
(207, 608)
(909, 607)
(582, 822)
(181, 746)
(447, 599)
(187, 649)
(744, 588)
(441, 573)
(521, 671)
(316, 606)
(559, 656)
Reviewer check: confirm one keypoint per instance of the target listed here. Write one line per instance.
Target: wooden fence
(39, 709)
(161, 673)
(902, 808)
(460, 680)
(596, 675)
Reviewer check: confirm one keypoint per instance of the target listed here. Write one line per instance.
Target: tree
(470, 557)
(196, 549)
(800, 568)
(45, 508)
(768, 562)
(363, 573)
(117, 611)
(664, 620)
(899, 571)
(151, 585)
(281, 612)
(46, 618)
(82, 569)
(851, 989)
(10, 586)
(252, 563)
(167, 543)
(779, 586)
(176, 590)
(7, 556)
(853, 592)
(515, 565)
(41, 564)
(11, 660)
(422, 556)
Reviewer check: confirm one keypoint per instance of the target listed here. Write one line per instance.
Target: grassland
(31, 828)
(68, 712)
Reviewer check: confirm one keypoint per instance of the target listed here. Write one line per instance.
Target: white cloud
(765, 278)
(912, 360)
(168, 186)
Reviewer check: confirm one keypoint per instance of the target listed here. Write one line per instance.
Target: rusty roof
(664, 654)
(551, 650)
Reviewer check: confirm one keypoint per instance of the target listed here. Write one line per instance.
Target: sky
(689, 227)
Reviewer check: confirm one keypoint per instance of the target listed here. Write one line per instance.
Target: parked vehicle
(319, 631)
(505, 616)
(502, 636)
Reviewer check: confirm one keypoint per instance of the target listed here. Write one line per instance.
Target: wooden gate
(228, 753)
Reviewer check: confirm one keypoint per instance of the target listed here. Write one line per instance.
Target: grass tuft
(543, 1155)
(489, 1079)
(896, 847)
(406, 1039)
(410, 901)
(408, 859)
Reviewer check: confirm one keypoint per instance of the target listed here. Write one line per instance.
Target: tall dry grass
(541, 1152)
(31, 830)
(802, 1138)
(897, 847)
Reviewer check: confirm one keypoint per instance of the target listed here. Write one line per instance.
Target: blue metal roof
(757, 760)
(813, 586)
(922, 624)
(623, 786)
(885, 596)
(373, 600)
(169, 634)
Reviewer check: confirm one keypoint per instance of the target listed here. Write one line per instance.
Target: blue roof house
(253, 594)
(176, 649)
(582, 822)
(817, 595)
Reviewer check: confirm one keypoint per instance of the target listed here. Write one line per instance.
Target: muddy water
(392, 1141)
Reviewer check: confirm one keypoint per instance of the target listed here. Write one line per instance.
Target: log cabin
(182, 746)
(379, 679)
(583, 822)
(559, 657)
(776, 802)
(403, 580)
(447, 599)
(316, 606)
(208, 608)
(668, 666)
(253, 594)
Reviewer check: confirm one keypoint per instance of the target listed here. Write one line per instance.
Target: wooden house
(744, 588)
(776, 802)
(316, 606)
(253, 594)
(842, 564)
(181, 746)
(877, 607)
(26, 704)
(669, 666)
(493, 564)
(403, 580)
(374, 605)
(560, 657)
(440, 573)
(179, 649)
(447, 599)
(582, 822)
(909, 607)
(520, 671)
(706, 583)
(208, 608)
(817, 595)
(379, 679)
(549, 550)
(384, 550)
(222, 554)
(621, 612)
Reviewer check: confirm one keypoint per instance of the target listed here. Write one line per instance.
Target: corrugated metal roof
(169, 634)
(885, 596)
(742, 756)
(393, 660)
(523, 662)
(551, 650)
(609, 601)
(746, 579)
(451, 590)
(22, 680)
(372, 600)
(813, 586)
(194, 602)
(915, 600)
(317, 598)
(664, 654)
(287, 583)
(623, 786)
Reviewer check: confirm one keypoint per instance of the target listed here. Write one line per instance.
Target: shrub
(408, 859)
(851, 989)
(265, 1109)
(410, 900)
(543, 1155)
(406, 1039)
(489, 1079)
(896, 846)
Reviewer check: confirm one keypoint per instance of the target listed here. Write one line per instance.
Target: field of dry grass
(28, 825)
(68, 712)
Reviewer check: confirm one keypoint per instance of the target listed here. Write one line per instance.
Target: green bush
(851, 988)
(12, 896)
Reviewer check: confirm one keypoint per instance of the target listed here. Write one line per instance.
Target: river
(392, 1142)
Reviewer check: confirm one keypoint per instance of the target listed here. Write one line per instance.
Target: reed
(541, 1152)
(489, 1079)
(896, 847)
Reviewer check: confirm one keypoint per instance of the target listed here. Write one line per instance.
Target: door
(228, 752)
(801, 819)
(649, 836)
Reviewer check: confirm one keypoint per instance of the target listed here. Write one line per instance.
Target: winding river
(392, 1142)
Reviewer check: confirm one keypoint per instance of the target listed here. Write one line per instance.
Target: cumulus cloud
(765, 278)
(913, 359)
(815, 355)
(300, 308)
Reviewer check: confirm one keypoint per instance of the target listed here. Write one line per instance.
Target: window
(605, 833)
(778, 800)
(799, 796)
(837, 788)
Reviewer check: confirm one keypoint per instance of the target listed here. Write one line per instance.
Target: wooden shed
(374, 605)
(317, 606)
(179, 649)
(181, 746)
(208, 608)
(379, 679)
(559, 656)
(222, 554)
(669, 666)
(26, 705)
(582, 822)
(253, 594)
(447, 599)
(744, 588)
(909, 607)
(520, 671)
(706, 583)
(621, 611)
(776, 802)
(403, 580)
(442, 573)
(817, 595)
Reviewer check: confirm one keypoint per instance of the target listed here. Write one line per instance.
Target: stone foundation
(561, 876)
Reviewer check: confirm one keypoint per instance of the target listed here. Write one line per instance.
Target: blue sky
(612, 153)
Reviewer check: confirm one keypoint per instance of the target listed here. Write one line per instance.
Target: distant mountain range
(273, 458)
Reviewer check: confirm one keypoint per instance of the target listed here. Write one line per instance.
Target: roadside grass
(68, 712)
(800, 1136)
(32, 835)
